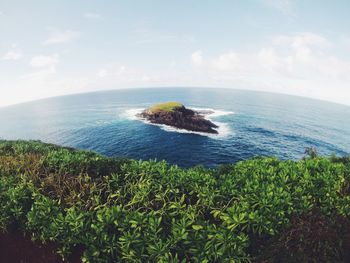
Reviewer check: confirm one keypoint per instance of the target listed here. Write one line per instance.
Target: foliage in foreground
(118, 210)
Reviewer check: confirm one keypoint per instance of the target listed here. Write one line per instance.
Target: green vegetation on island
(167, 106)
(118, 210)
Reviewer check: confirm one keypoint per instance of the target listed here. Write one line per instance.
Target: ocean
(250, 124)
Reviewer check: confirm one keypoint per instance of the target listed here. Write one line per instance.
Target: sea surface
(250, 124)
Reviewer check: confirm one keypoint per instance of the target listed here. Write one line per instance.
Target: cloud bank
(300, 64)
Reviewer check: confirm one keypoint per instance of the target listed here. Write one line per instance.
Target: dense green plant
(118, 210)
(15, 200)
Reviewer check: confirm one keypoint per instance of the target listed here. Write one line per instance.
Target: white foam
(223, 128)
(130, 114)
(212, 112)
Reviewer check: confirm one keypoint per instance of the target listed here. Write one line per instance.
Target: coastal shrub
(79, 162)
(25, 147)
(15, 200)
(117, 210)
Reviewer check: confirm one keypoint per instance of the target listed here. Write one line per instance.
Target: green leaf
(197, 227)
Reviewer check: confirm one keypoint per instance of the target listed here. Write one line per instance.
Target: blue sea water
(251, 124)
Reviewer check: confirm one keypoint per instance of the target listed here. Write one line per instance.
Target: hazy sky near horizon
(51, 48)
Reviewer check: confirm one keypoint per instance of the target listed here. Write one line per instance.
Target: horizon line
(171, 87)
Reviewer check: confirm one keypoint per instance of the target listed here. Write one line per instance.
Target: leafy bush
(15, 200)
(78, 162)
(139, 211)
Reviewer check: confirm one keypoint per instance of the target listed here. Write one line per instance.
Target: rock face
(179, 117)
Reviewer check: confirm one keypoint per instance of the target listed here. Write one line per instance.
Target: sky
(51, 48)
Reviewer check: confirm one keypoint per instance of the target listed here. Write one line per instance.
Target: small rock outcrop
(177, 115)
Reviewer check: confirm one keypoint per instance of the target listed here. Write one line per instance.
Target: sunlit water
(250, 124)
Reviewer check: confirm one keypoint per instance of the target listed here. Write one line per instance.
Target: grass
(167, 106)
(118, 210)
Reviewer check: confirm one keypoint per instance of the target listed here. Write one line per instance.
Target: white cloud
(44, 61)
(197, 57)
(91, 15)
(302, 40)
(59, 37)
(13, 54)
(307, 53)
(288, 55)
(227, 61)
(230, 62)
(268, 58)
(102, 73)
(300, 64)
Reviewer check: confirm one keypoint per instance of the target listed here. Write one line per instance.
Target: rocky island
(177, 115)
